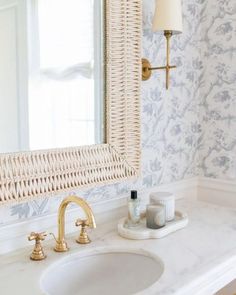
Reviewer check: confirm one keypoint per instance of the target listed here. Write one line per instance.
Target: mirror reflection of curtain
(62, 85)
(13, 76)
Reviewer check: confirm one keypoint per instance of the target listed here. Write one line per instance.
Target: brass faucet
(61, 245)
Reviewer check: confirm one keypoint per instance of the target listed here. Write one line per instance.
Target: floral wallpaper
(218, 89)
(170, 122)
(189, 129)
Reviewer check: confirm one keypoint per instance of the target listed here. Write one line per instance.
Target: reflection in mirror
(51, 74)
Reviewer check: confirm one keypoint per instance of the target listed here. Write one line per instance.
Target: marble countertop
(199, 259)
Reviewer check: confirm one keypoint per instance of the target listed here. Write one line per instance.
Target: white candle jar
(166, 199)
(155, 216)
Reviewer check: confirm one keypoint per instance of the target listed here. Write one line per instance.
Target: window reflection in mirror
(57, 73)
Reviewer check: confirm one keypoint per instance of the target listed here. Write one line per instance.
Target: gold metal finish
(146, 66)
(83, 237)
(168, 35)
(61, 245)
(146, 69)
(38, 253)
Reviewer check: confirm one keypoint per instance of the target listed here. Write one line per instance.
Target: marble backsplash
(189, 129)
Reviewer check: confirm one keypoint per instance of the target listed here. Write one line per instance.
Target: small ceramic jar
(166, 199)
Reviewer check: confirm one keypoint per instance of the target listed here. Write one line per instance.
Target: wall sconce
(167, 18)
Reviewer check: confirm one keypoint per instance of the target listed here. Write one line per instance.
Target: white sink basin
(102, 272)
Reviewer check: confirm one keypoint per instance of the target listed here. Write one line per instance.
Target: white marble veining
(199, 259)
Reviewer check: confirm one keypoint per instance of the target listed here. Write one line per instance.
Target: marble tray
(141, 232)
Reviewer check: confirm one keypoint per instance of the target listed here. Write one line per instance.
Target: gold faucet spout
(61, 245)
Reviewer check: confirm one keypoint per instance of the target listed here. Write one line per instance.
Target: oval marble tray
(141, 232)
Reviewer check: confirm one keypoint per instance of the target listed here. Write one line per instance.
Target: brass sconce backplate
(146, 69)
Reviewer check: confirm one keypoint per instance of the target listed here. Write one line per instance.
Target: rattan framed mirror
(28, 175)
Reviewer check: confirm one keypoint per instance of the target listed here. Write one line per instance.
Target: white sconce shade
(168, 16)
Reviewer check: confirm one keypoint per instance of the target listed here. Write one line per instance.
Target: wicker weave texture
(28, 175)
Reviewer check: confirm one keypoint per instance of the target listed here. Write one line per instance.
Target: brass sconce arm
(162, 68)
(147, 68)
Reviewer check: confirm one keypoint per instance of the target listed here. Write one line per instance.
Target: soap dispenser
(133, 209)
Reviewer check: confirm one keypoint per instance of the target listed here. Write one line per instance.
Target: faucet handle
(37, 253)
(82, 222)
(37, 236)
(83, 237)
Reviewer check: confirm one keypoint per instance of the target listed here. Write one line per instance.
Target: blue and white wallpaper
(190, 129)
(217, 97)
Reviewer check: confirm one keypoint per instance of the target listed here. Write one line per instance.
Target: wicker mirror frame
(28, 175)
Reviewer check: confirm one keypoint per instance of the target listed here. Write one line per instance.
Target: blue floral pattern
(218, 89)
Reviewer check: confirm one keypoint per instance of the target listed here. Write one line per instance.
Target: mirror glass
(51, 74)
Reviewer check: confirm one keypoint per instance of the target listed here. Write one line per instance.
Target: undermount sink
(102, 271)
